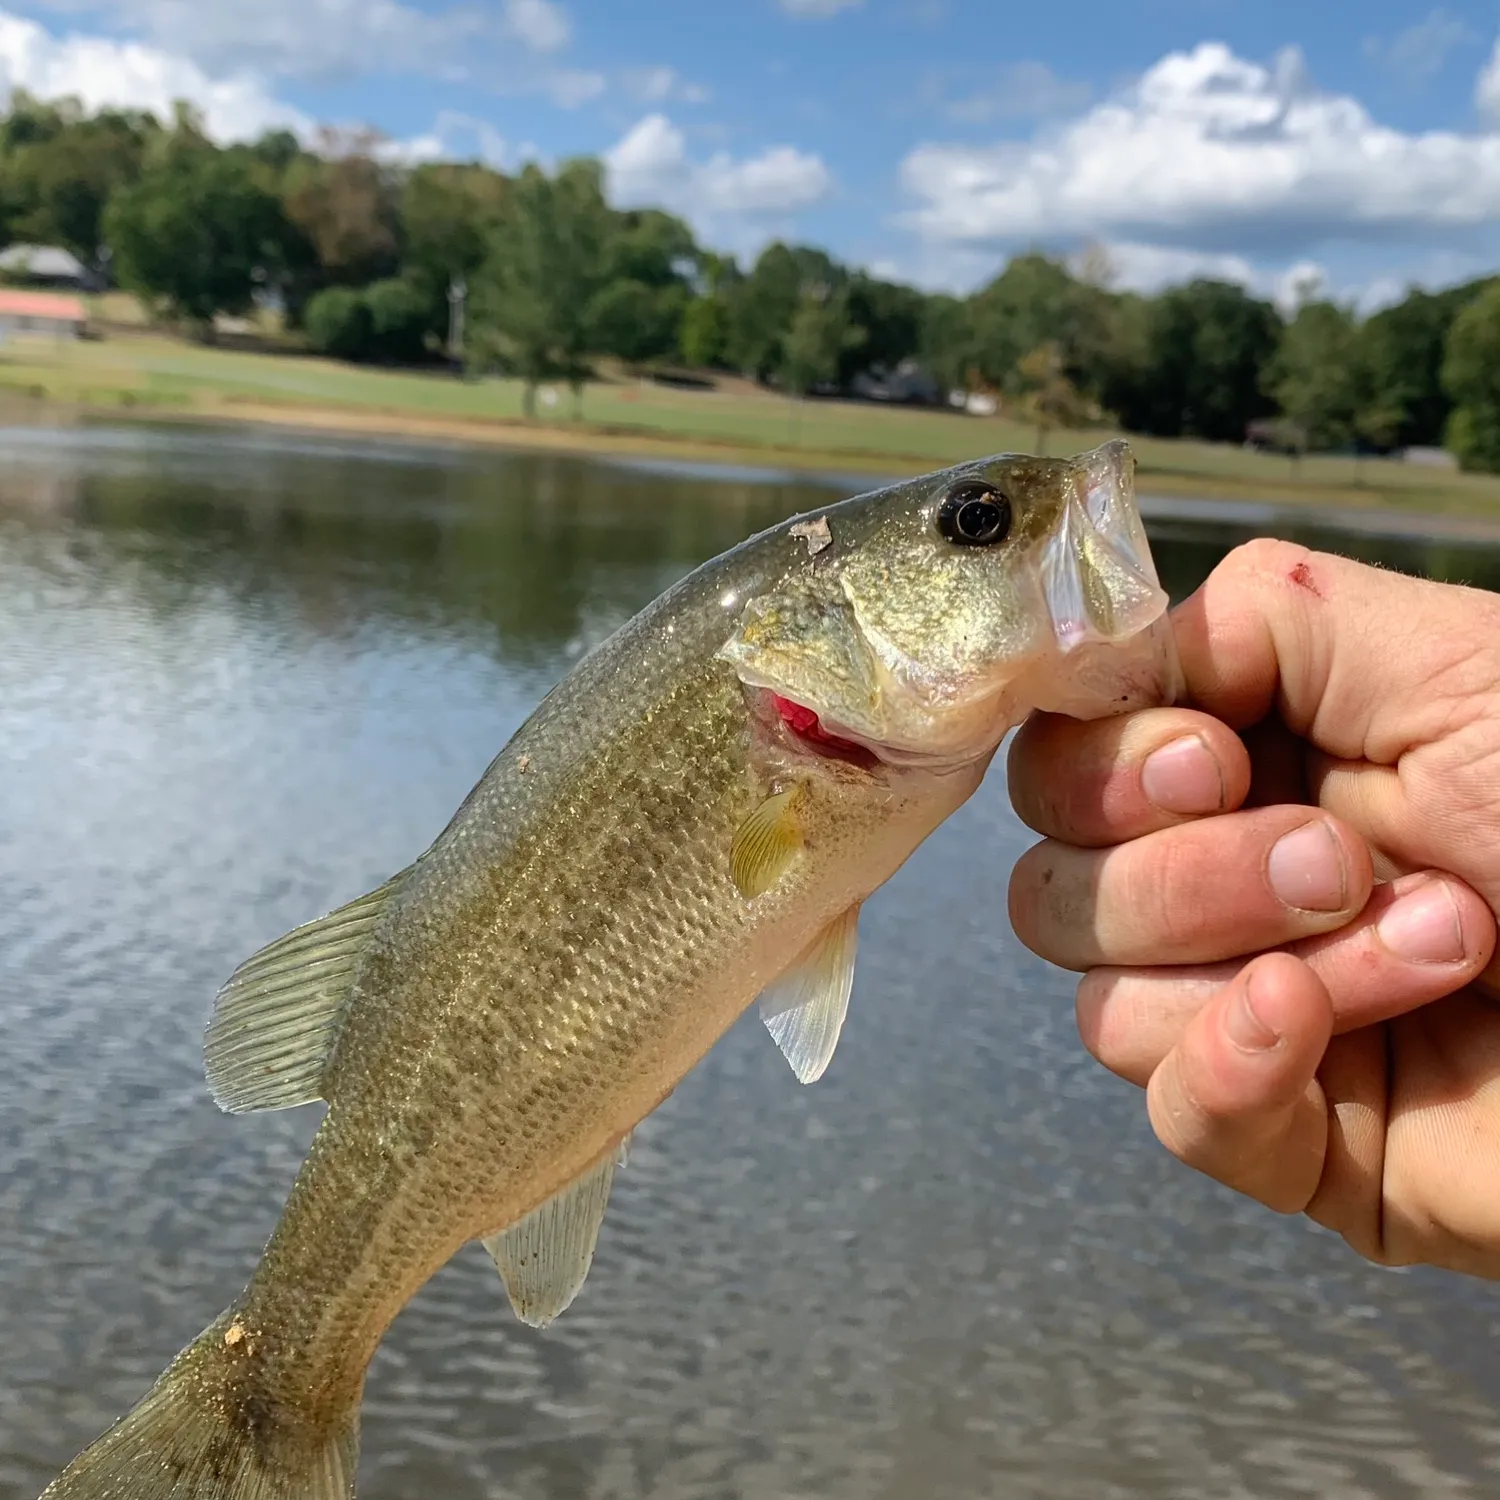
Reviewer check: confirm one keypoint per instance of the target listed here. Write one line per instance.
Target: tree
(531, 297)
(1471, 377)
(277, 150)
(945, 343)
(1379, 427)
(763, 304)
(337, 323)
(448, 214)
(651, 247)
(194, 231)
(1401, 350)
(398, 320)
(636, 322)
(59, 184)
(345, 204)
(820, 333)
(1031, 302)
(1121, 363)
(704, 334)
(648, 258)
(890, 320)
(1315, 375)
(1047, 396)
(1205, 347)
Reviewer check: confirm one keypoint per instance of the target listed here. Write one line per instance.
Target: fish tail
(208, 1431)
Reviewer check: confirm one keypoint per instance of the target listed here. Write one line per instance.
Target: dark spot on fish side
(1302, 577)
(256, 1411)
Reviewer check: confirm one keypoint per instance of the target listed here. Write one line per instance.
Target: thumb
(1364, 663)
(1237, 1097)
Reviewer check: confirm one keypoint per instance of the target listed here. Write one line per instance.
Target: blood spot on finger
(1302, 577)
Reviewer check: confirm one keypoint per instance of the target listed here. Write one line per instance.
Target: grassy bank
(147, 375)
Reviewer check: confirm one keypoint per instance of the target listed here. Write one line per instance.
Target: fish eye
(974, 514)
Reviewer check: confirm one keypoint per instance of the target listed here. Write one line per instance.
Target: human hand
(1304, 1035)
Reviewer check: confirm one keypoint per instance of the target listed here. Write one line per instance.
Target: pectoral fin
(804, 1010)
(766, 844)
(544, 1259)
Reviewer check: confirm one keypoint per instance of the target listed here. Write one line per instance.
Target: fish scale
(691, 819)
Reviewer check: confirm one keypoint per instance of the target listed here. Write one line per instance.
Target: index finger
(1362, 662)
(1109, 780)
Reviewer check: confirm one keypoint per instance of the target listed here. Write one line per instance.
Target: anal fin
(276, 1019)
(804, 1010)
(544, 1258)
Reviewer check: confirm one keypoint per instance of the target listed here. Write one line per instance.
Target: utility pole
(458, 291)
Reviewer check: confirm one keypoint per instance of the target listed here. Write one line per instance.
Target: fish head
(927, 619)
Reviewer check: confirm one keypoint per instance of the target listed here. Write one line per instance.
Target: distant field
(151, 375)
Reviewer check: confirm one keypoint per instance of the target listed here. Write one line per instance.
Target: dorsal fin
(275, 1021)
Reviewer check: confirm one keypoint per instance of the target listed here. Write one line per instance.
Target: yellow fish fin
(766, 844)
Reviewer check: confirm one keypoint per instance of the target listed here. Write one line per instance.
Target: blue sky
(1281, 144)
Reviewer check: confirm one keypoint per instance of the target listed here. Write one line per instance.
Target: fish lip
(1100, 525)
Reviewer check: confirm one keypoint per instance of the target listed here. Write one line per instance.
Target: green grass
(154, 375)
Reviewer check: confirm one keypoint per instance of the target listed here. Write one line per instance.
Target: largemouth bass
(692, 819)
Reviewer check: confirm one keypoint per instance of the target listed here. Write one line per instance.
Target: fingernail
(1183, 777)
(1423, 927)
(1245, 1028)
(1306, 869)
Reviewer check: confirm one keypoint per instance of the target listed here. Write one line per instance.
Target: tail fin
(205, 1432)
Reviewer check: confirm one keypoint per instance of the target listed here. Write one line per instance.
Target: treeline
(371, 260)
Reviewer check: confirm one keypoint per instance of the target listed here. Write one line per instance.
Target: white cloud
(453, 137)
(661, 85)
(1147, 268)
(817, 9)
(302, 38)
(1418, 53)
(541, 25)
(1210, 152)
(1487, 86)
(100, 72)
(1021, 91)
(570, 87)
(650, 166)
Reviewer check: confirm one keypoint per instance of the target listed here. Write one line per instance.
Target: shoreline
(146, 377)
(604, 440)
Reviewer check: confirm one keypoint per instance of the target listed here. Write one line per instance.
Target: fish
(688, 824)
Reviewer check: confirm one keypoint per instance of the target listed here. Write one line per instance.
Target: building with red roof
(41, 313)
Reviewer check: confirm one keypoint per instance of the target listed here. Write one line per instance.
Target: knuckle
(1265, 556)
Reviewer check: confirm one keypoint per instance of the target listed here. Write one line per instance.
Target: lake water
(245, 677)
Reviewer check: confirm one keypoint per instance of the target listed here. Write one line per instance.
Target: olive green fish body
(568, 949)
(690, 820)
